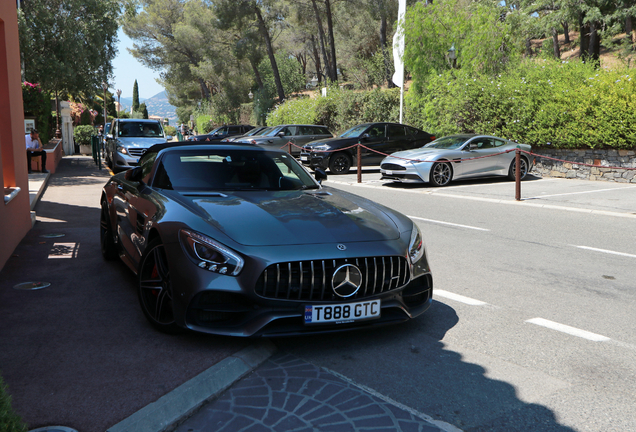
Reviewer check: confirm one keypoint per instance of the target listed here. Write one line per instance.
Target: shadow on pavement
(410, 364)
(80, 353)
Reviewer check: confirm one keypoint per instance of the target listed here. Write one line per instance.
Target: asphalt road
(535, 301)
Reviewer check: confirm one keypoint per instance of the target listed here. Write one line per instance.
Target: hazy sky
(127, 69)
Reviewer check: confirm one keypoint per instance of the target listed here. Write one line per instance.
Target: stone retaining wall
(601, 159)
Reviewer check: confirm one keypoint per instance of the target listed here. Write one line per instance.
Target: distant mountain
(157, 106)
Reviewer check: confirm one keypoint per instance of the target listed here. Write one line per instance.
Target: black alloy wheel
(107, 241)
(340, 163)
(512, 172)
(441, 173)
(155, 289)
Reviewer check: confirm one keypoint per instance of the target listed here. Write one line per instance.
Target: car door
(375, 144)
(133, 210)
(397, 138)
(481, 161)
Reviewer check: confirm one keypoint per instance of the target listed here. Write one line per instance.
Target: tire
(107, 241)
(340, 163)
(155, 289)
(441, 173)
(524, 169)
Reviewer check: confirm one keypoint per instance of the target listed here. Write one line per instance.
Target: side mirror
(472, 146)
(281, 134)
(365, 135)
(169, 137)
(320, 175)
(134, 174)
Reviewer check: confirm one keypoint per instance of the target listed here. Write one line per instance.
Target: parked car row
(405, 154)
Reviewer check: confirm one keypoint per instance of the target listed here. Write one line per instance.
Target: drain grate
(30, 286)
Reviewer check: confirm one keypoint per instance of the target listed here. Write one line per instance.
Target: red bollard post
(289, 144)
(517, 175)
(359, 165)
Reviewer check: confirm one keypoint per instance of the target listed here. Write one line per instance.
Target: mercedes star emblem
(346, 280)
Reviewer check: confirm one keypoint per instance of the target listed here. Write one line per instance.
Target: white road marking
(605, 251)
(448, 223)
(582, 192)
(569, 330)
(459, 298)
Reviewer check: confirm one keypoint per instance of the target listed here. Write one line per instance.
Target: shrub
(340, 109)
(562, 104)
(82, 134)
(204, 124)
(170, 130)
(9, 420)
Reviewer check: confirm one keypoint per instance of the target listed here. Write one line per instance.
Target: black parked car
(223, 132)
(386, 138)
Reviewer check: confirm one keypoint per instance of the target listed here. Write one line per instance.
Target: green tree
(67, 45)
(135, 97)
(143, 109)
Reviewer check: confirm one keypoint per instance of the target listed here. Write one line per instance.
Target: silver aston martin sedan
(456, 157)
(239, 240)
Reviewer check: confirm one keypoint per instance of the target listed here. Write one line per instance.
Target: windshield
(263, 131)
(140, 129)
(450, 142)
(231, 170)
(355, 131)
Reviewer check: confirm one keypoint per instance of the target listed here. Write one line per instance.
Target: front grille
(392, 167)
(311, 280)
(136, 152)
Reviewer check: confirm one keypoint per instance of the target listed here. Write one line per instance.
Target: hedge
(340, 109)
(561, 104)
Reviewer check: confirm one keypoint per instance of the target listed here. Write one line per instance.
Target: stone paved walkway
(289, 394)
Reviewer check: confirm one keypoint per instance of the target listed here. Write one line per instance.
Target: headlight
(210, 255)
(322, 147)
(416, 245)
(122, 150)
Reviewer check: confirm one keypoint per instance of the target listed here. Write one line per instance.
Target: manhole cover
(52, 235)
(32, 285)
(53, 429)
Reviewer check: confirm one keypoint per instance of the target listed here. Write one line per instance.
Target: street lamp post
(105, 87)
(118, 104)
(250, 95)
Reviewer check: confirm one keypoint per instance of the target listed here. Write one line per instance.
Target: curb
(171, 409)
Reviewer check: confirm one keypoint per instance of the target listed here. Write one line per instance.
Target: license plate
(342, 313)
(387, 172)
(304, 158)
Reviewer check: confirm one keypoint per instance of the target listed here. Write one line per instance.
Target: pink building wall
(15, 216)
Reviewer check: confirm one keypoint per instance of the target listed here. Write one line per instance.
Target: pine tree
(135, 101)
(143, 109)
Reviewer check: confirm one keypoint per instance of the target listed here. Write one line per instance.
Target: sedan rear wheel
(155, 289)
(441, 173)
(340, 163)
(524, 169)
(109, 248)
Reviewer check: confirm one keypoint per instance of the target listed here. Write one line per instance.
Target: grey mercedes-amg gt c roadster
(239, 240)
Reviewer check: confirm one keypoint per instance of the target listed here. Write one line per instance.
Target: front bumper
(402, 173)
(234, 306)
(314, 159)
